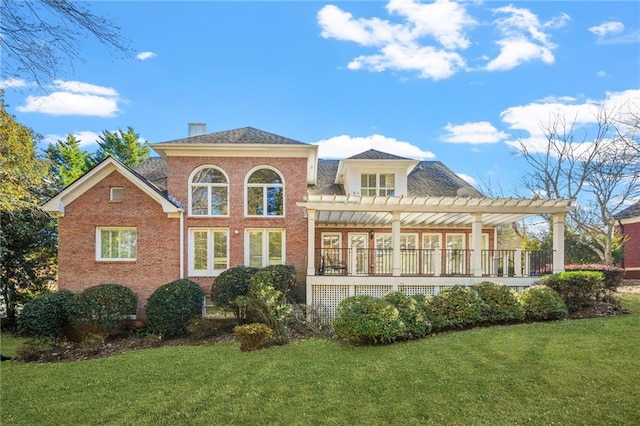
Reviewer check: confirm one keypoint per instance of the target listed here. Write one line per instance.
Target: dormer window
(377, 184)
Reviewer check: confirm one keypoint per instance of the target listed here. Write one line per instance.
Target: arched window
(265, 193)
(208, 192)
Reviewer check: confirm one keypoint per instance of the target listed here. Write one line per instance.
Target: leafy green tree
(68, 160)
(124, 146)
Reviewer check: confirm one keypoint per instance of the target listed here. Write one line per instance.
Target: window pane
(255, 249)
(199, 201)
(255, 206)
(265, 176)
(275, 248)
(117, 244)
(218, 201)
(209, 176)
(200, 251)
(274, 201)
(220, 251)
(127, 244)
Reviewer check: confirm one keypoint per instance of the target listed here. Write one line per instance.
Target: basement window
(116, 194)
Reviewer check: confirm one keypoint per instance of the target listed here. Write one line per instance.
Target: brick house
(629, 226)
(367, 224)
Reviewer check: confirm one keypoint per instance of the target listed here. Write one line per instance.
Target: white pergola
(402, 212)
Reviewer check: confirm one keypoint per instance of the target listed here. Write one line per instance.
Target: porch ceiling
(361, 211)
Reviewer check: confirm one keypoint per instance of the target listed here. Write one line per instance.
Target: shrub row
(578, 289)
(368, 320)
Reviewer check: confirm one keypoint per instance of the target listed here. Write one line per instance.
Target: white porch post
(476, 242)
(311, 242)
(395, 242)
(558, 242)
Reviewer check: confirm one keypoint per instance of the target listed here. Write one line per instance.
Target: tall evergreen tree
(124, 146)
(68, 160)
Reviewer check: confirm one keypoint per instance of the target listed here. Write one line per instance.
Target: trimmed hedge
(46, 316)
(500, 303)
(612, 274)
(103, 308)
(416, 324)
(456, 306)
(231, 284)
(577, 289)
(368, 320)
(171, 307)
(542, 303)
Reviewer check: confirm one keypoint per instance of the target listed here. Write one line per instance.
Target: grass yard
(566, 372)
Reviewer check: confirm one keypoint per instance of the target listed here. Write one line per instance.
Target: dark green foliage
(456, 306)
(417, 325)
(45, 316)
(612, 275)
(103, 308)
(171, 306)
(281, 277)
(578, 289)
(542, 303)
(252, 336)
(500, 303)
(231, 284)
(368, 320)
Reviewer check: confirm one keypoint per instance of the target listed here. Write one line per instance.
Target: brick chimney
(196, 129)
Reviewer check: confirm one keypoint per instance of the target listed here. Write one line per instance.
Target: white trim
(264, 186)
(630, 220)
(265, 245)
(210, 271)
(98, 243)
(190, 186)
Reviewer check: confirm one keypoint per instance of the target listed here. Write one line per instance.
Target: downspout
(181, 243)
(622, 234)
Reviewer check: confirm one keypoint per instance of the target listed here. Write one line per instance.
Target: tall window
(382, 184)
(265, 193)
(265, 247)
(117, 244)
(208, 251)
(208, 195)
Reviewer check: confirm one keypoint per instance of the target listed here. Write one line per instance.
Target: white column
(311, 242)
(558, 242)
(395, 242)
(476, 243)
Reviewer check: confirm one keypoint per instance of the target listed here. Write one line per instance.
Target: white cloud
(523, 38)
(344, 146)
(11, 83)
(85, 137)
(470, 180)
(142, 56)
(601, 73)
(400, 46)
(75, 98)
(606, 28)
(480, 132)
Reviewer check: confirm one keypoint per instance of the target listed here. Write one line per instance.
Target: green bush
(416, 324)
(500, 303)
(368, 320)
(202, 328)
(542, 303)
(282, 278)
(103, 308)
(45, 316)
(231, 284)
(252, 336)
(268, 304)
(456, 306)
(578, 289)
(171, 306)
(612, 274)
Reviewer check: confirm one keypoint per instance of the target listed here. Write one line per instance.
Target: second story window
(265, 193)
(208, 193)
(377, 184)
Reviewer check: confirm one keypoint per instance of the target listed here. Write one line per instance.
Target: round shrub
(281, 277)
(500, 303)
(231, 284)
(416, 324)
(103, 308)
(456, 306)
(577, 288)
(171, 307)
(45, 316)
(252, 336)
(542, 303)
(368, 320)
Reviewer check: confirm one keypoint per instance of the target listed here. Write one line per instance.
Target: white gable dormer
(375, 173)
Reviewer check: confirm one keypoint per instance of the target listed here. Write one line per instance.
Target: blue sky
(456, 82)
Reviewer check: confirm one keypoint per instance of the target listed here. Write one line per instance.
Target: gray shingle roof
(154, 170)
(245, 135)
(373, 154)
(631, 211)
(434, 179)
(325, 183)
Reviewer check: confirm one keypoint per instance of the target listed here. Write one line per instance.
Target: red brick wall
(158, 236)
(632, 249)
(294, 173)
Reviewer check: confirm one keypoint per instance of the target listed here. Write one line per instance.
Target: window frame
(378, 188)
(211, 270)
(265, 246)
(209, 187)
(265, 187)
(98, 240)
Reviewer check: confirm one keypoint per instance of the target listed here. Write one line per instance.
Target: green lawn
(565, 372)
